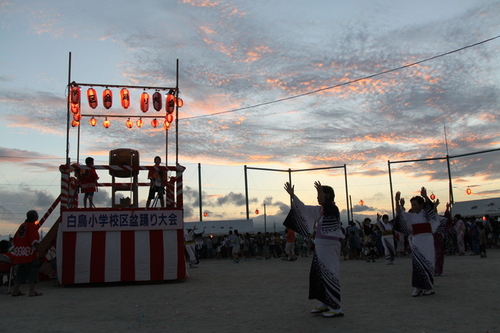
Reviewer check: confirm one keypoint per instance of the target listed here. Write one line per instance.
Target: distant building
(477, 207)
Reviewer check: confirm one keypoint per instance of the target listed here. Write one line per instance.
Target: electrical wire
(344, 83)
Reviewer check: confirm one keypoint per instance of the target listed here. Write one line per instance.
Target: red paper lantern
(169, 117)
(106, 123)
(180, 102)
(144, 102)
(257, 211)
(154, 123)
(361, 202)
(75, 123)
(139, 122)
(166, 125)
(92, 98)
(468, 191)
(93, 121)
(75, 95)
(157, 101)
(432, 196)
(205, 214)
(77, 116)
(75, 108)
(107, 98)
(170, 103)
(129, 123)
(125, 98)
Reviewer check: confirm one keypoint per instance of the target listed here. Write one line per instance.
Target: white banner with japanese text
(121, 220)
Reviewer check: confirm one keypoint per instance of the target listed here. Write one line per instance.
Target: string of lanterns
(171, 101)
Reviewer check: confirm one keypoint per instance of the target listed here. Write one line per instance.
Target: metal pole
(246, 193)
(265, 218)
(166, 149)
(352, 213)
(390, 184)
(346, 192)
(199, 191)
(450, 183)
(68, 110)
(78, 145)
(177, 114)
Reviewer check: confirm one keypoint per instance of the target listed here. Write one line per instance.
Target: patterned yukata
(324, 278)
(387, 240)
(420, 227)
(460, 230)
(439, 244)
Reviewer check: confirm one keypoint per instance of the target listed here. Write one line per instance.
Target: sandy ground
(269, 296)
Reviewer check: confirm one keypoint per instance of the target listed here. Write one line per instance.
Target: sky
(271, 85)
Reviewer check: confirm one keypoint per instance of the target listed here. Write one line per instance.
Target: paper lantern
(75, 95)
(75, 123)
(157, 101)
(107, 98)
(125, 98)
(361, 202)
(144, 102)
(169, 117)
(75, 108)
(432, 196)
(92, 98)
(93, 121)
(129, 123)
(180, 102)
(170, 103)
(205, 214)
(257, 211)
(166, 125)
(106, 123)
(77, 116)
(154, 123)
(468, 191)
(139, 122)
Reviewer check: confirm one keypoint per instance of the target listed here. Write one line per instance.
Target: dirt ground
(269, 296)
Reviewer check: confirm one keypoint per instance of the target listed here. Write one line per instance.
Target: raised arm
(321, 194)
(379, 222)
(397, 198)
(289, 188)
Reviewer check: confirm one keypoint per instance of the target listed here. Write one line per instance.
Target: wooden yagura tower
(121, 242)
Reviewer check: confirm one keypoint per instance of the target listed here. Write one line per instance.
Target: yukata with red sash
(420, 228)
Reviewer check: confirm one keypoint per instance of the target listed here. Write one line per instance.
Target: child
(88, 181)
(156, 178)
(26, 242)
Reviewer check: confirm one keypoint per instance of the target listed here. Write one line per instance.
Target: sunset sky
(268, 84)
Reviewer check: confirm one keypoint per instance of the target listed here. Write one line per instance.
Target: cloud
(237, 199)
(16, 201)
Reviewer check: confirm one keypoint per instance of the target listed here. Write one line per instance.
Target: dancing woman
(324, 281)
(387, 238)
(419, 224)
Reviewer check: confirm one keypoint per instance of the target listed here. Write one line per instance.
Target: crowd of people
(364, 241)
(259, 246)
